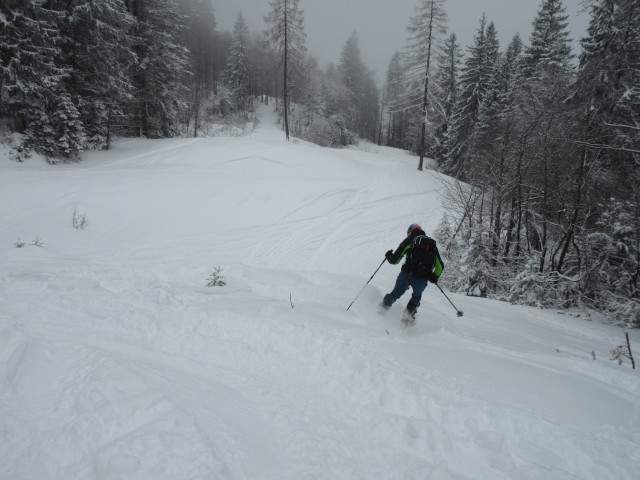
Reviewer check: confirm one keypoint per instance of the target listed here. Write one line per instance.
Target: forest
(539, 146)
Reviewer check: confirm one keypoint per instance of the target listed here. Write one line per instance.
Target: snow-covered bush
(475, 278)
(216, 279)
(324, 131)
(55, 130)
(79, 220)
(530, 287)
(450, 251)
(443, 232)
(610, 267)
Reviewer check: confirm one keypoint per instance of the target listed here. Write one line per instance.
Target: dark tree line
(76, 72)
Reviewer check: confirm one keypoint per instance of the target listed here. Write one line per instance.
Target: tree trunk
(425, 99)
(545, 193)
(519, 202)
(108, 141)
(568, 238)
(510, 227)
(285, 101)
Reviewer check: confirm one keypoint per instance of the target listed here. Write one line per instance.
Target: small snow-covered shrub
(20, 153)
(79, 220)
(216, 279)
(314, 127)
(451, 251)
(443, 233)
(530, 287)
(37, 242)
(623, 351)
(474, 279)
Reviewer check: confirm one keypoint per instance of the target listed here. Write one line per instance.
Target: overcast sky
(381, 24)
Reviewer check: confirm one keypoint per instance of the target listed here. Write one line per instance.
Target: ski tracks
(262, 391)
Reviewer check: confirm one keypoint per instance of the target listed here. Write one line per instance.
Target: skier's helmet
(412, 227)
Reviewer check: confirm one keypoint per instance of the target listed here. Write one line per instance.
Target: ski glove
(389, 255)
(434, 278)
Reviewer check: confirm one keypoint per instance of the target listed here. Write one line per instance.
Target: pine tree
(238, 64)
(447, 92)
(352, 74)
(59, 133)
(426, 29)
(285, 33)
(510, 73)
(370, 111)
(475, 279)
(98, 52)
(30, 42)
(397, 123)
(162, 66)
(351, 68)
(548, 75)
(361, 112)
(549, 51)
(200, 39)
(33, 74)
(497, 142)
(490, 75)
(609, 89)
(609, 81)
(477, 81)
(336, 96)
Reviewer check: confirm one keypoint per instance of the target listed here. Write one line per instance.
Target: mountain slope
(116, 362)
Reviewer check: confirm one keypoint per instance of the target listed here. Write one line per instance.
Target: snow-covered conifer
(199, 36)
(237, 74)
(530, 287)
(510, 73)
(426, 34)
(33, 75)
(446, 93)
(396, 119)
(57, 132)
(361, 112)
(609, 82)
(475, 270)
(98, 52)
(161, 68)
(286, 36)
(549, 51)
(477, 81)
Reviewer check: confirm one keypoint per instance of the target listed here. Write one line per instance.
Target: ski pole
(374, 274)
(459, 311)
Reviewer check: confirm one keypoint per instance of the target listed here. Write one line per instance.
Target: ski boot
(385, 305)
(409, 315)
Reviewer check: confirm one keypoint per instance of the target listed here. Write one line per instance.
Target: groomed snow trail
(116, 362)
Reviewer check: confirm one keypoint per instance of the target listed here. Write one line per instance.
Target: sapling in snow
(37, 242)
(79, 220)
(623, 351)
(216, 279)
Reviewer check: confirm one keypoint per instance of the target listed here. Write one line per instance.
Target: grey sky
(381, 24)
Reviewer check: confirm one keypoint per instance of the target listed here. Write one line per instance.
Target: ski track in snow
(117, 363)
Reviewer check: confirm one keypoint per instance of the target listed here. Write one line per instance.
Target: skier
(423, 264)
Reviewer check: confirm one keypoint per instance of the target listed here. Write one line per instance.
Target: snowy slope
(117, 362)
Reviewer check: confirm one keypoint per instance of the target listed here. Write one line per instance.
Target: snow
(117, 362)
